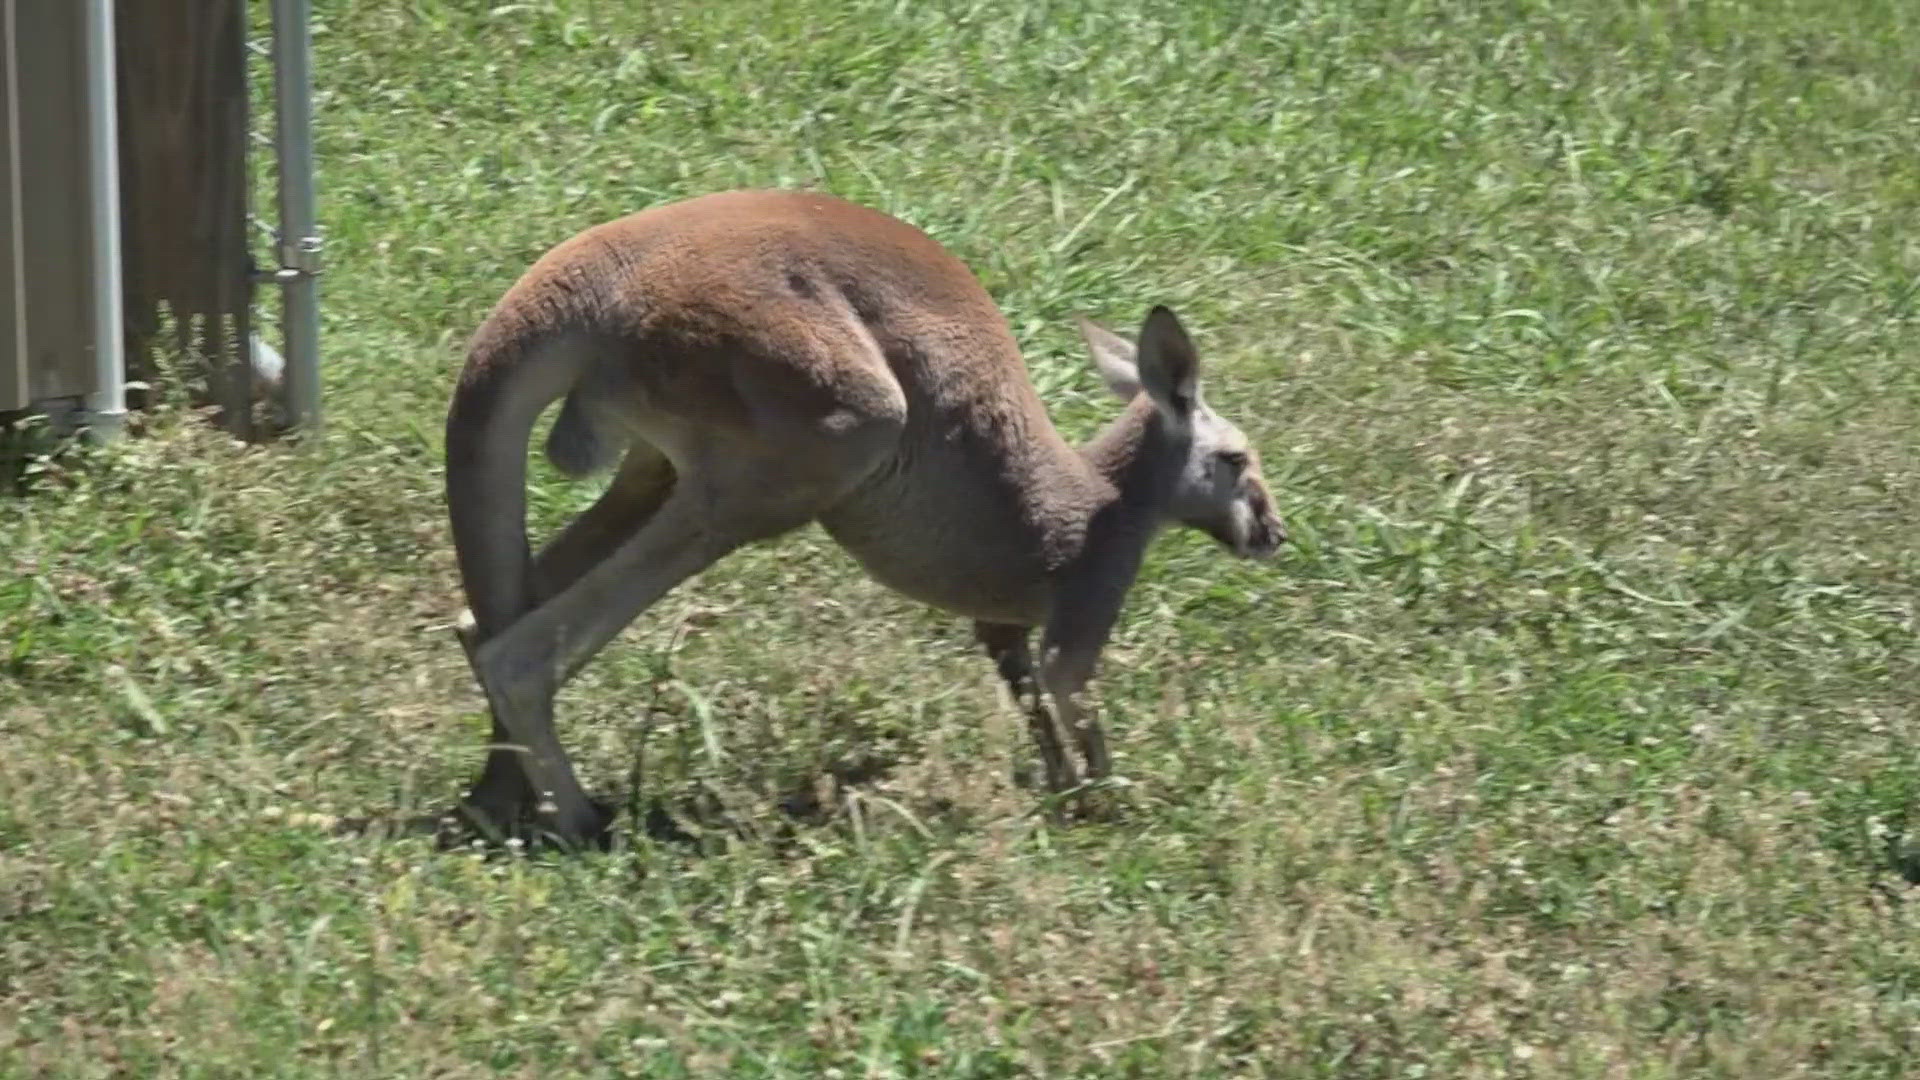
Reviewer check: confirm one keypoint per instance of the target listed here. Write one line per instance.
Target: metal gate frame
(64, 303)
(298, 242)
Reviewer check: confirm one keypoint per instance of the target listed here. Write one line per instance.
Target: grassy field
(1575, 737)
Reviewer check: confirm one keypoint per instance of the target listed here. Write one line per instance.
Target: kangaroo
(752, 361)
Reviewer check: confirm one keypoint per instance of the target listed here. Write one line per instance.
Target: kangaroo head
(1218, 488)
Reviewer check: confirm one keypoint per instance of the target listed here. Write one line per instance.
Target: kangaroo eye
(1233, 459)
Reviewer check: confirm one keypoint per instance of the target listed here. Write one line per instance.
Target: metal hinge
(302, 256)
(300, 259)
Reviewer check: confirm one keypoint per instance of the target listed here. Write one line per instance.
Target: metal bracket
(298, 260)
(302, 256)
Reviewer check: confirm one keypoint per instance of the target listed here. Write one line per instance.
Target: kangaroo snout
(1268, 531)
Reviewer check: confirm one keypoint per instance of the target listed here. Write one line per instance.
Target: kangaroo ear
(1169, 366)
(1114, 356)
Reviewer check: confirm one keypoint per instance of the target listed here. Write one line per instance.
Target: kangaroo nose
(1272, 534)
(1269, 532)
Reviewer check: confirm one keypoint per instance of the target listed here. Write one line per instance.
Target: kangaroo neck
(1135, 458)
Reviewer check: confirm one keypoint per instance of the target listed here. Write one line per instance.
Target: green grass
(1576, 737)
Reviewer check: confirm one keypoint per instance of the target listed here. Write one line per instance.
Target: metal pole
(107, 405)
(299, 239)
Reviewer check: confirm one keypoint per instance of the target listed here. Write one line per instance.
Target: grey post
(106, 405)
(299, 239)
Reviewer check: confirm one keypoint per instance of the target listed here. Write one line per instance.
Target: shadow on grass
(703, 821)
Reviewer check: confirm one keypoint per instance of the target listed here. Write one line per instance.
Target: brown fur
(768, 358)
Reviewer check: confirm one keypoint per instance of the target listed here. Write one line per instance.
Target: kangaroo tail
(517, 365)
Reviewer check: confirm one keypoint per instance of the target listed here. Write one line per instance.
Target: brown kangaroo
(758, 360)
